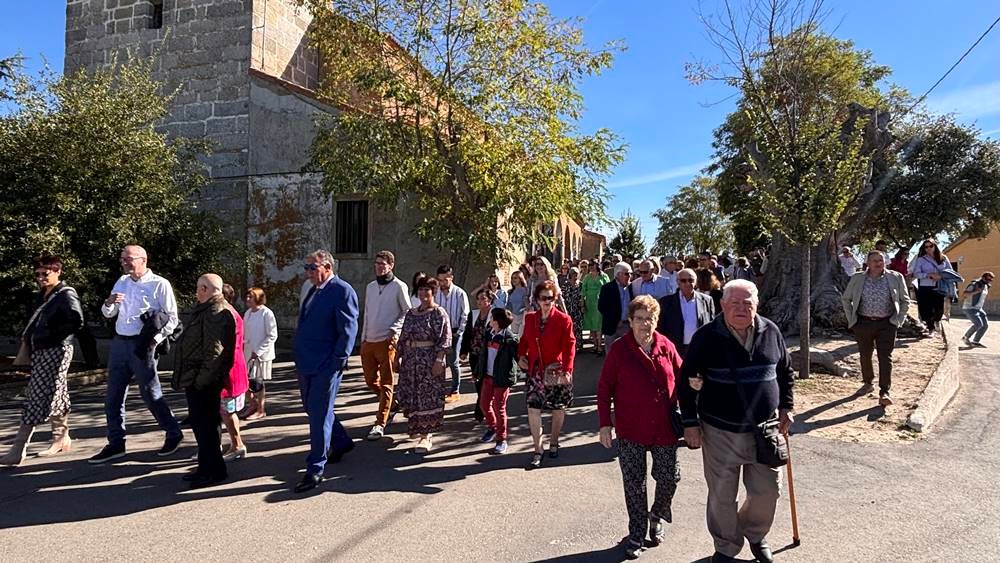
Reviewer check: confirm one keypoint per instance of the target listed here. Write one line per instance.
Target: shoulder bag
(552, 374)
(23, 358)
(771, 445)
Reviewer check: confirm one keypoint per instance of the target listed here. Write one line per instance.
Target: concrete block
(942, 386)
(222, 109)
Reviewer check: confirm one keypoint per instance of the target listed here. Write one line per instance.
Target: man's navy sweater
(740, 389)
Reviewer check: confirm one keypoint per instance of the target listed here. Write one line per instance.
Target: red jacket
(557, 342)
(238, 381)
(641, 407)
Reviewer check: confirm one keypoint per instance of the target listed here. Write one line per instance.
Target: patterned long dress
(573, 297)
(419, 392)
(591, 290)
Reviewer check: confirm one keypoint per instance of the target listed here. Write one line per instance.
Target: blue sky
(667, 122)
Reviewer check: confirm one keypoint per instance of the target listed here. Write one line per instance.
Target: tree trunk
(460, 263)
(804, 312)
(781, 292)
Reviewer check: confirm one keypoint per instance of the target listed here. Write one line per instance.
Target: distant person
(927, 269)
(683, 313)
(499, 372)
(875, 303)
(517, 301)
(974, 301)
(324, 341)
(848, 262)
(414, 300)
(591, 289)
(900, 261)
(711, 285)
(613, 302)
(649, 283)
(743, 271)
(203, 358)
(140, 299)
(47, 339)
(259, 337)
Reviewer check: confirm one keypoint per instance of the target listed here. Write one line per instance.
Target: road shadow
(804, 424)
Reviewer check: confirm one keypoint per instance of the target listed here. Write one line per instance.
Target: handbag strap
(38, 311)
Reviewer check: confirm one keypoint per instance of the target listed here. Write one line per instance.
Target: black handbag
(674, 411)
(772, 448)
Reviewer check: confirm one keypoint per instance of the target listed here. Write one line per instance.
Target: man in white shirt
(649, 283)
(668, 271)
(455, 302)
(137, 299)
(848, 262)
(684, 312)
(386, 303)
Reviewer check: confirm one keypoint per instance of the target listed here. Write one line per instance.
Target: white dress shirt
(149, 293)
(689, 310)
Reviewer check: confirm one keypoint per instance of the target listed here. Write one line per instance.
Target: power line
(960, 59)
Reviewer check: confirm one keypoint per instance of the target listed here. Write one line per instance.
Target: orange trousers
(376, 363)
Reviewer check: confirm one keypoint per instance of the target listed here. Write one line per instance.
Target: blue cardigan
(326, 332)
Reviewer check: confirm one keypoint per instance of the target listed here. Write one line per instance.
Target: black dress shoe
(309, 482)
(720, 558)
(337, 454)
(201, 481)
(762, 552)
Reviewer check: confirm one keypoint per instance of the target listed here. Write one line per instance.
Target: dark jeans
(203, 412)
(877, 336)
(124, 364)
(473, 362)
(930, 306)
(453, 363)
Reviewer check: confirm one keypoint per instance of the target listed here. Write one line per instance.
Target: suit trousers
(319, 392)
(376, 363)
(203, 413)
(872, 336)
(725, 455)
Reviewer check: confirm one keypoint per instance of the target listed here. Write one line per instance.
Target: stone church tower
(245, 78)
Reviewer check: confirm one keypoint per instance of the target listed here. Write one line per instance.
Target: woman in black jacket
(497, 369)
(48, 337)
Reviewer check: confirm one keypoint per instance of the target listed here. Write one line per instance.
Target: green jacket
(505, 370)
(204, 354)
(900, 297)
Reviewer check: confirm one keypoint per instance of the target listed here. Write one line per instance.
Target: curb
(942, 386)
(76, 380)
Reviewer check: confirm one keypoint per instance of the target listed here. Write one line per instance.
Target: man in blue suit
(324, 339)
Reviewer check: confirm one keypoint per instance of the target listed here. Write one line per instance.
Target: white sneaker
(376, 433)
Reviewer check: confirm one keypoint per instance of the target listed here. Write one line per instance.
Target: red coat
(557, 342)
(641, 412)
(238, 378)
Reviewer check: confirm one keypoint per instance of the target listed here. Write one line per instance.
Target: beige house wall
(975, 256)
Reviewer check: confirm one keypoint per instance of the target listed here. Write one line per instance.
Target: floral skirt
(48, 394)
(419, 393)
(547, 397)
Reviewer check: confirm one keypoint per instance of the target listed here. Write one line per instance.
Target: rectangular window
(351, 227)
(156, 19)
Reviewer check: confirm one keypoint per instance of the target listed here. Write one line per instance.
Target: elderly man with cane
(736, 396)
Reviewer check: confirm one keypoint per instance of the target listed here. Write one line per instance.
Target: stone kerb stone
(942, 386)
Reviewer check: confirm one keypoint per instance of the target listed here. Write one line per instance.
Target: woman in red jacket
(639, 378)
(547, 345)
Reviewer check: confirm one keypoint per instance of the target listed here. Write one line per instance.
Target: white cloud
(670, 173)
(971, 102)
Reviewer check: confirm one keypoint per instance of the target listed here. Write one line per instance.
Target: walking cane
(791, 494)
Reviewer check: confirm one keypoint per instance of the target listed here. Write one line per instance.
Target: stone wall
(202, 52)
(280, 45)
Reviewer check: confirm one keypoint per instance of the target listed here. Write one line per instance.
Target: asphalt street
(935, 499)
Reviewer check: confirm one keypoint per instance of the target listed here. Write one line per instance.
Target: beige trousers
(725, 454)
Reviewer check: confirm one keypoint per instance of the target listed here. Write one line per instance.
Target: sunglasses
(42, 275)
(310, 267)
(545, 298)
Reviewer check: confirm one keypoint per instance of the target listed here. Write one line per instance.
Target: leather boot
(61, 441)
(16, 454)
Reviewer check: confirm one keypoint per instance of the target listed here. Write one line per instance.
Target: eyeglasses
(310, 267)
(128, 259)
(545, 298)
(685, 280)
(637, 319)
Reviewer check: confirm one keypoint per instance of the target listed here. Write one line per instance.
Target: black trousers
(666, 473)
(203, 413)
(473, 362)
(930, 306)
(875, 336)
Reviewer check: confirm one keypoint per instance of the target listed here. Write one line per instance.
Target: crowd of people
(688, 360)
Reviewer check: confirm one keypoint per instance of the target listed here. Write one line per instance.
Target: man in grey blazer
(684, 312)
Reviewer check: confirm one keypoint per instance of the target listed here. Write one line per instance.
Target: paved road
(934, 500)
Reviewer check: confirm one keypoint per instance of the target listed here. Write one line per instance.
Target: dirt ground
(829, 406)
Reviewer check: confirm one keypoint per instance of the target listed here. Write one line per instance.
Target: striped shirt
(456, 303)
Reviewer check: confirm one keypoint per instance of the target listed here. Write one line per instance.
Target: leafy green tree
(692, 221)
(628, 241)
(947, 181)
(83, 172)
(467, 112)
(800, 138)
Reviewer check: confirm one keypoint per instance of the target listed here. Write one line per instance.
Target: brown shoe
(452, 398)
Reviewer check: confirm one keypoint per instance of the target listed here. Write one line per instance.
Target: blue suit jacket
(326, 332)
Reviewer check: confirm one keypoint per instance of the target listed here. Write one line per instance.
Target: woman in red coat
(547, 344)
(639, 379)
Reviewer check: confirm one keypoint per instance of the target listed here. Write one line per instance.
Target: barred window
(156, 19)
(351, 227)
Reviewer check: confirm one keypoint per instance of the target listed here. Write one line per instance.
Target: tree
(9, 68)
(83, 172)
(692, 222)
(801, 134)
(628, 240)
(466, 111)
(947, 181)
